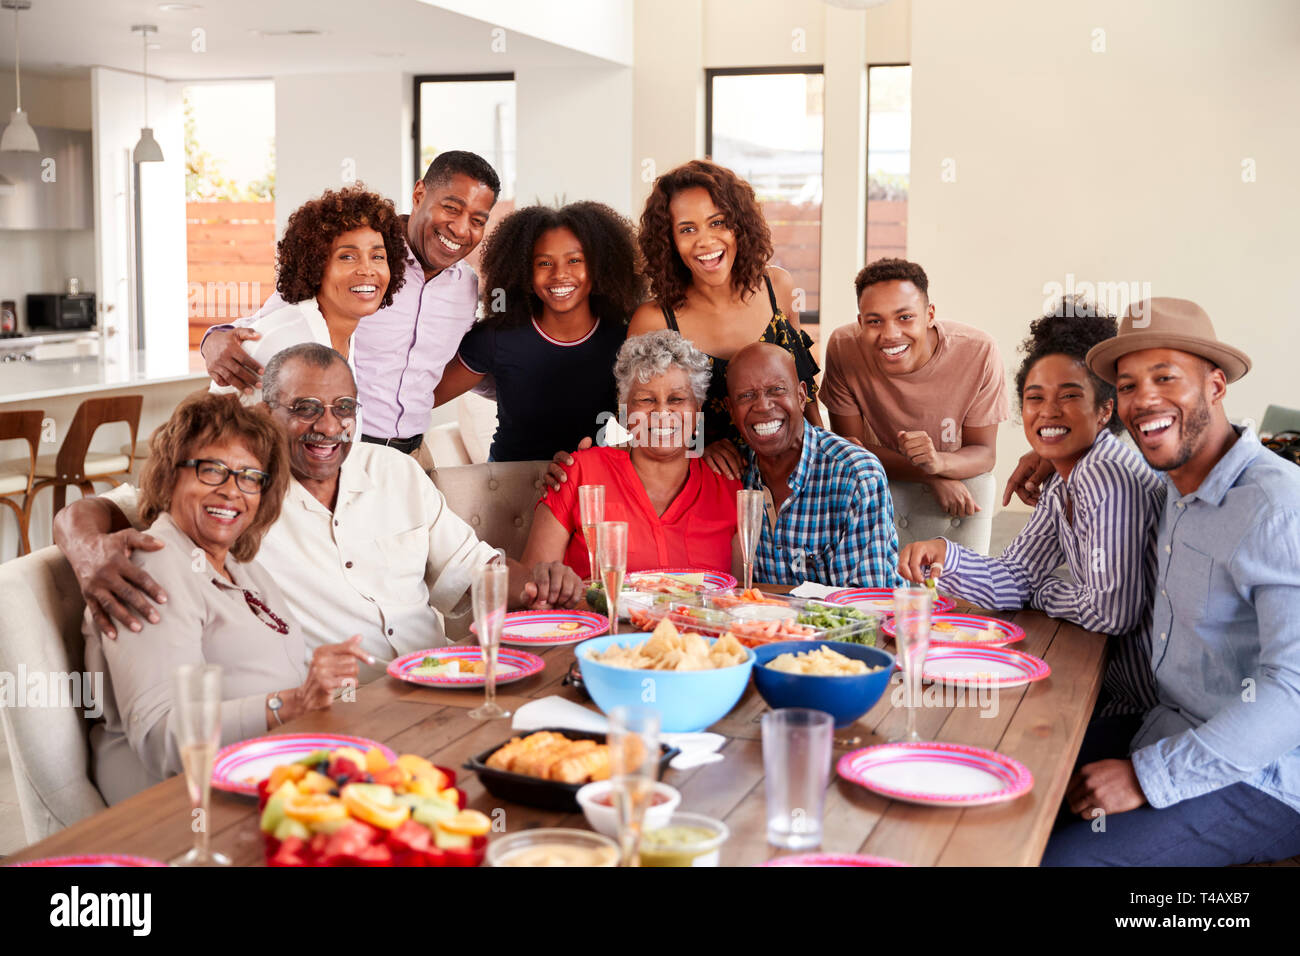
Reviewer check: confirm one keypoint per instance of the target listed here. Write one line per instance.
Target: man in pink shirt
(924, 396)
(400, 351)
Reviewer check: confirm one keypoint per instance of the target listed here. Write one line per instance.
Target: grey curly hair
(644, 357)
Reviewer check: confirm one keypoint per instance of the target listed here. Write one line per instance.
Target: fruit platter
(348, 808)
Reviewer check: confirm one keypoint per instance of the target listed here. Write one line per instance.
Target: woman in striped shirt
(1097, 513)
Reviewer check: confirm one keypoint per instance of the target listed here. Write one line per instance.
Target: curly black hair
(892, 270)
(301, 256)
(1071, 329)
(669, 276)
(608, 244)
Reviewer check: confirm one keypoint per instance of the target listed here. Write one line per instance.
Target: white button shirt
(383, 564)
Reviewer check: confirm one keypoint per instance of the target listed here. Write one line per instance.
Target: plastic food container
(776, 618)
(699, 850)
(553, 847)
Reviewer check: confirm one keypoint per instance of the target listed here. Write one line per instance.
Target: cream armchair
(918, 515)
(40, 640)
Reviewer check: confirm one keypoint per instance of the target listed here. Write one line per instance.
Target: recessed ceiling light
(178, 7)
(155, 46)
(287, 33)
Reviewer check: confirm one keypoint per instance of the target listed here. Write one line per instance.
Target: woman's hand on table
(921, 556)
(333, 666)
(724, 458)
(1111, 786)
(555, 471)
(553, 584)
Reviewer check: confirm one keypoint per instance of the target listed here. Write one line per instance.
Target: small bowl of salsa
(597, 802)
(689, 839)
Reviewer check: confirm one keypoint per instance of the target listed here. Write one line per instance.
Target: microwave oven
(57, 311)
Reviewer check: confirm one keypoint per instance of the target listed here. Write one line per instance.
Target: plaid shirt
(837, 526)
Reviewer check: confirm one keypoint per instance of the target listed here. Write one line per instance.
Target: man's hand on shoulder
(115, 589)
(227, 361)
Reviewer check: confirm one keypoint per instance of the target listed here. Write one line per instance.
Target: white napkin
(811, 589)
(696, 749)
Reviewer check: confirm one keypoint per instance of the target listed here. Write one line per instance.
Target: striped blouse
(1109, 550)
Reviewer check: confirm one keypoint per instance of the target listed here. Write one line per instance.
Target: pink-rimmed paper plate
(881, 600)
(93, 859)
(937, 774)
(713, 580)
(512, 665)
(945, 629)
(832, 859)
(551, 628)
(982, 666)
(240, 767)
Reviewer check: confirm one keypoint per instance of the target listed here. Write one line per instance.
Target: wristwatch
(275, 703)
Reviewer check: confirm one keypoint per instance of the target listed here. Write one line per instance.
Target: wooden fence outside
(231, 255)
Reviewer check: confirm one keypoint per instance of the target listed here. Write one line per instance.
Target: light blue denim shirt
(1226, 634)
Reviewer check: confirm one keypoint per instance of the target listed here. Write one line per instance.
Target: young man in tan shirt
(925, 397)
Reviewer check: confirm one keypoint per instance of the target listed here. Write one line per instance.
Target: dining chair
(75, 463)
(49, 745)
(1278, 418)
(17, 475)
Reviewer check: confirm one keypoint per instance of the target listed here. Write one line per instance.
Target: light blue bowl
(844, 698)
(687, 701)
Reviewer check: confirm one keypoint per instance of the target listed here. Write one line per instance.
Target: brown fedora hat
(1163, 323)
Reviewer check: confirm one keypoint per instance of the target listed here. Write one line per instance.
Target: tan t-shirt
(963, 385)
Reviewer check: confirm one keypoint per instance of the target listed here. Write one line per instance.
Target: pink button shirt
(400, 351)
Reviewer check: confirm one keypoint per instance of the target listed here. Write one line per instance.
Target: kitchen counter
(53, 378)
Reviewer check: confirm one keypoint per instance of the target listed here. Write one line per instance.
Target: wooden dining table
(1039, 724)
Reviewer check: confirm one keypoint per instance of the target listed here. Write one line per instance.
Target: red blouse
(694, 532)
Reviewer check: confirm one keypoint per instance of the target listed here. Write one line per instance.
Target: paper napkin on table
(696, 749)
(811, 589)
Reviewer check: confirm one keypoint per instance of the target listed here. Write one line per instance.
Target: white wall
(330, 126)
(601, 28)
(574, 132)
(1117, 166)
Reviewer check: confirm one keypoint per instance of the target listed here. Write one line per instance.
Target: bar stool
(17, 475)
(75, 464)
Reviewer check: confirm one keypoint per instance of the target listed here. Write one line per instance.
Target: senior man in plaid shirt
(829, 517)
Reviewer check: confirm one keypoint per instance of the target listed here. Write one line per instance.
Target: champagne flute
(634, 753)
(912, 642)
(591, 512)
(749, 528)
(198, 734)
(488, 589)
(611, 556)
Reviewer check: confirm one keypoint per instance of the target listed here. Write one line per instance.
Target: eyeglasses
(214, 473)
(311, 409)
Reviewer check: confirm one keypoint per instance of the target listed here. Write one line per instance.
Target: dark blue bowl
(844, 698)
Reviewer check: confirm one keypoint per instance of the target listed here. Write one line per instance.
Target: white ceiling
(67, 36)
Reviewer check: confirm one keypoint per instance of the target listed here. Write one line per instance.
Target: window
(766, 125)
(473, 112)
(889, 153)
(230, 200)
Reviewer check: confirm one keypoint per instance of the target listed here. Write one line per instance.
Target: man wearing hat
(1213, 776)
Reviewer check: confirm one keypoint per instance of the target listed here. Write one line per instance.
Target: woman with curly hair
(558, 287)
(1097, 513)
(339, 261)
(707, 247)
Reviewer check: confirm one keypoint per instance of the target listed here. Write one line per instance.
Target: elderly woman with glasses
(212, 488)
(679, 512)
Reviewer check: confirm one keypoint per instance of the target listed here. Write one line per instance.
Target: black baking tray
(535, 792)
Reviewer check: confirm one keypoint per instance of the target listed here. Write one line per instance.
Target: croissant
(591, 764)
(508, 755)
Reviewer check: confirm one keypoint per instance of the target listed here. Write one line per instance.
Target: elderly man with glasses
(365, 544)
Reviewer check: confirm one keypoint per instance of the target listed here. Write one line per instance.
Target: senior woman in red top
(679, 512)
